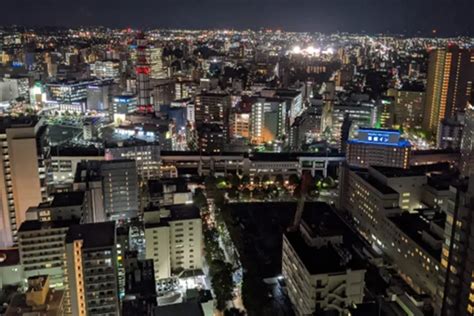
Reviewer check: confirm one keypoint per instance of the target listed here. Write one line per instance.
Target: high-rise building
(143, 71)
(158, 71)
(146, 157)
(106, 69)
(318, 286)
(212, 108)
(22, 173)
(69, 91)
(120, 188)
(457, 259)
(408, 107)
(98, 96)
(111, 189)
(92, 269)
(449, 86)
(173, 237)
(467, 143)
(267, 120)
(378, 147)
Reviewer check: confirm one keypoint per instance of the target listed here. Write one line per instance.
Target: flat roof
(17, 122)
(191, 308)
(9, 257)
(38, 225)
(376, 184)
(320, 260)
(320, 219)
(414, 225)
(184, 212)
(94, 235)
(413, 171)
(68, 199)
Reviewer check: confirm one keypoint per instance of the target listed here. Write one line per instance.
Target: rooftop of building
(9, 257)
(7, 122)
(321, 220)
(376, 184)
(414, 225)
(176, 213)
(52, 307)
(35, 225)
(156, 187)
(190, 308)
(413, 171)
(68, 199)
(77, 151)
(95, 235)
(262, 156)
(311, 257)
(402, 143)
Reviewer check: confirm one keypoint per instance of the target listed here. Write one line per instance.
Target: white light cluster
(311, 51)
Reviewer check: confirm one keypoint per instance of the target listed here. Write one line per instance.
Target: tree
(265, 179)
(199, 199)
(258, 194)
(245, 180)
(210, 182)
(222, 282)
(219, 199)
(234, 180)
(279, 180)
(221, 182)
(256, 180)
(294, 180)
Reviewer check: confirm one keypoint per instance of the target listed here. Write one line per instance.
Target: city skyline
(411, 18)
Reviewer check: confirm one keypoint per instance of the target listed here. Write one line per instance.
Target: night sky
(449, 17)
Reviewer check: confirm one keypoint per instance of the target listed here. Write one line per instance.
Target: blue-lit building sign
(372, 136)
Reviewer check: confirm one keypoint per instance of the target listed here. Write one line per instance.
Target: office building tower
(466, 165)
(211, 138)
(120, 189)
(158, 71)
(212, 108)
(450, 132)
(22, 173)
(98, 96)
(378, 147)
(122, 105)
(457, 255)
(385, 205)
(69, 91)
(146, 156)
(92, 269)
(143, 75)
(106, 69)
(239, 125)
(111, 189)
(449, 86)
(163, 93)
(173, 237)
(267, 120)
(408, 107)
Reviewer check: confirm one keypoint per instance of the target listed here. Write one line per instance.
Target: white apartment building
(22, 174)
(173, 238)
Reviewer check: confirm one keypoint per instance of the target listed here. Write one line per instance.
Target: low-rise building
(39, 299)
